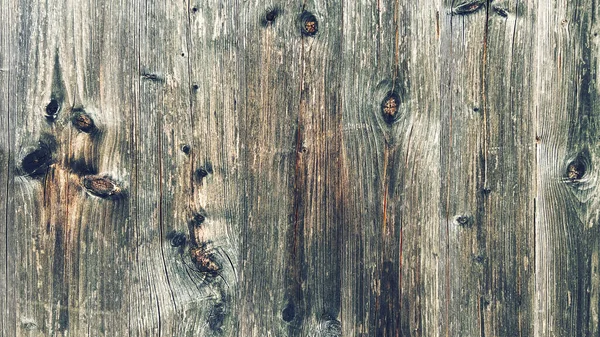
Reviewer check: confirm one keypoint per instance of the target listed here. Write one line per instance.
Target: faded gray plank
(374, 152)
(567, 128)
(270, 80)
(6, 31)
(507, 190)
(463, 41)
(319, 184)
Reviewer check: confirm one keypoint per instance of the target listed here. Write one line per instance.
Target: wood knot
(578, 167)
(185, 149)
(271, 14)
(101, 186)
(464, 220)
(178, 239)
(83, 122)
(37, 162)
(198, 218)
(309, 25)
(203, 260)
(390, 106)
(468, 7)
(52, 109)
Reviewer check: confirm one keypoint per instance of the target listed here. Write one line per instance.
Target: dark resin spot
(216, 317)
(36, 163)
(289, 312)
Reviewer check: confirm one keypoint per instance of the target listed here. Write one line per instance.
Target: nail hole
(185, 149)
(195, 87)
(201, 173)
(194, 9)
(309, 24)
(289, 312)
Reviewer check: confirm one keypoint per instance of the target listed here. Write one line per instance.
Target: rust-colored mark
(468, 7)
(83, 122)
(309, 24)
(575, 171)
(390, 106)
(203, 260)
(101, 186)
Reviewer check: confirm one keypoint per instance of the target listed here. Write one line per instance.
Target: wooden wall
(299, 168)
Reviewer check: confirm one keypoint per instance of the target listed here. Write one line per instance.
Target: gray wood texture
(299, 168)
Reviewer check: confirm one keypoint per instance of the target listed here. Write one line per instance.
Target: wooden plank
(463, 42)
(216, 154)
(567, 128)
(270, 302)
(377, 146)
(507, 194)
(6, 32)
(314, 268)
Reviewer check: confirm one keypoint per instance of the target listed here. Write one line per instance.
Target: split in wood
(101, 186)
(309, 24)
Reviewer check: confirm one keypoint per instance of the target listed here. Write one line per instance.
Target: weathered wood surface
(230, 168)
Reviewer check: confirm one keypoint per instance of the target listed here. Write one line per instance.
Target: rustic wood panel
(299, 168)
(567, 129)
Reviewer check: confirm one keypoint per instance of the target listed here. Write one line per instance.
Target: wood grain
(299, 168)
